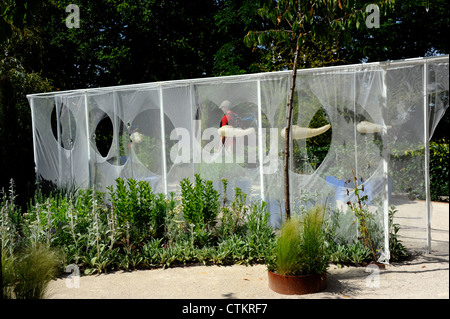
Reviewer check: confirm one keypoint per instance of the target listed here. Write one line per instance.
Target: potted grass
(300, 258)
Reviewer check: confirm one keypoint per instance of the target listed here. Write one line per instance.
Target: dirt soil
(423, 276)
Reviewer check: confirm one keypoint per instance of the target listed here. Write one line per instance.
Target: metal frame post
(427, 156)
(355, 132)
(260, 137)
(88, 139)
(58, 135)
(387, 253)
(33, 126)
(163, 142)
(116, 126)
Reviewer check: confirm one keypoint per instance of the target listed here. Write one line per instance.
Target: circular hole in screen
(104, 136)
(317, 146)
(145, 133)
(309, 153)
(67, 126)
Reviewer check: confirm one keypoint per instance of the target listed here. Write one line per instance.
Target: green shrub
(139, 210)
(260, 235)
(151, 252)
(58, 216)
(439, 160)
(232, 220)
(160, 210)
(200, 202)
(396, 247)
(132, 202)
(233, 249)
(407, 169)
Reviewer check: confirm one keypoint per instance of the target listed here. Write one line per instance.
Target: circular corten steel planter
(297, 285)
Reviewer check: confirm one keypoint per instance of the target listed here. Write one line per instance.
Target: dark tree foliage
(411, 30)
(125, 42)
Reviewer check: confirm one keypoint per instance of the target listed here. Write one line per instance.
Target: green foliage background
(135, 41)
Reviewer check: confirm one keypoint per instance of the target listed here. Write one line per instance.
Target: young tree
(295, 22)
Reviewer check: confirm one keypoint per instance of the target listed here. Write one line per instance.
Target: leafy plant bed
(139, 229)
(297, 285)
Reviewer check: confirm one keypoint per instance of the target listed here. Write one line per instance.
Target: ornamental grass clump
(301, 247)
(287, 251)
(315, 256)
(27, 273)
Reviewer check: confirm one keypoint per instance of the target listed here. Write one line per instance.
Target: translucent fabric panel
(74, 161)
(406, 138)
(274, 90)
(60, 140)
(46, 145)
(140, 111)
(418, 98)
(409, 101)
(438, 93)
(108, 166)
(178, 126)
(236, 158)
(350, 100)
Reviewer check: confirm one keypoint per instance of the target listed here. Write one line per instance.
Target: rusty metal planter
(297, 285)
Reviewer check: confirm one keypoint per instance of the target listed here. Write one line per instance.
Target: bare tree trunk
(287, 205)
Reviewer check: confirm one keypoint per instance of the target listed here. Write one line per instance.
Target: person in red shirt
(229, 118)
